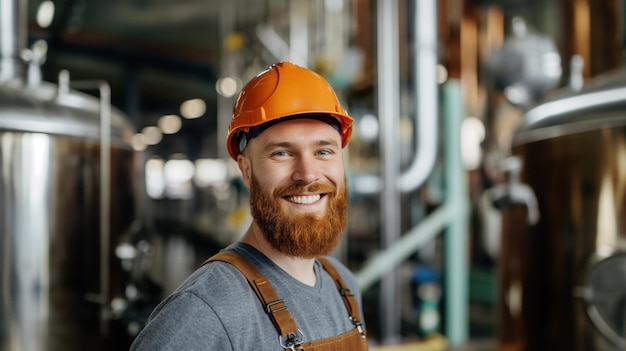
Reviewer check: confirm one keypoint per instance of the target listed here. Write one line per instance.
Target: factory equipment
(68, 186)
(562, 265)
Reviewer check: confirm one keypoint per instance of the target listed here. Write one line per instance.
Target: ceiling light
(45, 14)
(155, 182)
(193, 108)
(152, 135)
(210, 172)
(169, 124)
(368, 127)
(178, 171)
(138, 143)
(227, 86)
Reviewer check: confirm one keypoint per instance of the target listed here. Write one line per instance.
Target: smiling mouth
(304, 199)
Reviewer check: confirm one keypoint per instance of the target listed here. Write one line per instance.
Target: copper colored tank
(563, 279)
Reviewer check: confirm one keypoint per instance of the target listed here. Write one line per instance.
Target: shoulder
(215, 284)
(199, 312)
(205, 278)
(212, 284)
(182, 320)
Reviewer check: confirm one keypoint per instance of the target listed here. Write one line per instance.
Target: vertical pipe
(105, 201)
(426, 90)
(299, 32)
(224, 109)
(105, 194)
(227, 67)
(388, 111)
(456, 242)
(425, 97)
(622, 6)
(12, 38)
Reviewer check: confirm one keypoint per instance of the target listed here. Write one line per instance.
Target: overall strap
(348, 298)
(272, 304)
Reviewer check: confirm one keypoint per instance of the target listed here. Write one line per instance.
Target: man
(273, 290)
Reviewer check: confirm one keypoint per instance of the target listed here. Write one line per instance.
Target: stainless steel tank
(563, 278)
(57, 268)
(68, 185)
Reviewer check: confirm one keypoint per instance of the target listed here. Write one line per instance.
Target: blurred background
(487, 166)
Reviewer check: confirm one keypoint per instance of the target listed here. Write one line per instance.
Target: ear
(245, 168)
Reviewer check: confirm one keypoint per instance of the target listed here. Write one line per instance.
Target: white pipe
(385, 262)
(298, 33)
(12, 38)
(426, 101)
(388, 111)
(105, 194)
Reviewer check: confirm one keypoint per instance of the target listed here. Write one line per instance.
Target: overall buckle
(269, 308)
(292, 341)
(359, 326)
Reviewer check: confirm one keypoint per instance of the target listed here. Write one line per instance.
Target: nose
(306, 170)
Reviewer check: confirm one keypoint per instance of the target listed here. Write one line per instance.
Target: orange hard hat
(284, 91)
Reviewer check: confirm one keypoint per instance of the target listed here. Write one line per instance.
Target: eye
(280, 153)
(324, 152)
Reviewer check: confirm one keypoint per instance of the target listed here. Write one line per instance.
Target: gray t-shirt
(216, 309)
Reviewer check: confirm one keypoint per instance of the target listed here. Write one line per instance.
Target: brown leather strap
(275, 307)
(272, 304)
(348, 298)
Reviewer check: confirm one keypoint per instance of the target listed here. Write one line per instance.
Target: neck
(298, 267)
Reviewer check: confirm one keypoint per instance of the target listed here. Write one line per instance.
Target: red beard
(304, 235)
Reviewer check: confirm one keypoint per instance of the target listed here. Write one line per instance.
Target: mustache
(292, 189)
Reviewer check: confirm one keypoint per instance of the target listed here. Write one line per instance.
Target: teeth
(308, 199)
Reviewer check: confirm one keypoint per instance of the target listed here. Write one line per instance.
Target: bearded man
(275, 288)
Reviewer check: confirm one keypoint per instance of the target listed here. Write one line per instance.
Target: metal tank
(68, 186)
(562, 264)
